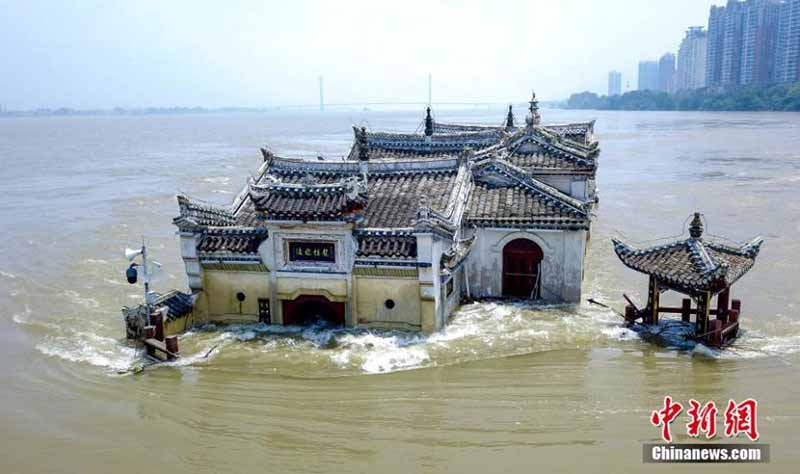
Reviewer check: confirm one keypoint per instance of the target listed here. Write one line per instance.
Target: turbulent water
(502, 388)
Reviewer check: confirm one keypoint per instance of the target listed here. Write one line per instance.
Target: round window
(389, 304)
(240, 296)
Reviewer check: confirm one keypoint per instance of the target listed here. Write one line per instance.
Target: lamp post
(147, 274)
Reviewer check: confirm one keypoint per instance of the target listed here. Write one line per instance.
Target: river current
(505, 387)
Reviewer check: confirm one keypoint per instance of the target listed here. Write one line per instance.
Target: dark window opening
(389, 304)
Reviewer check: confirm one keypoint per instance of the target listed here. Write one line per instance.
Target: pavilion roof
(692, 265)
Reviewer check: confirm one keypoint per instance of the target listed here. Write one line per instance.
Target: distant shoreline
(144, 111)
(775, 98)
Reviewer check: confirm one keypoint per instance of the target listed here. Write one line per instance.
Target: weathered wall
(372, 293)
(575, 186)
(562, 266)
(220, 288)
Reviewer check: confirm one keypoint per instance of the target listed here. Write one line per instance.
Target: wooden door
(522, 260)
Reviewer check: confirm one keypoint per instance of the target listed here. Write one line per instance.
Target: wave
(90, 348)
(478, 331)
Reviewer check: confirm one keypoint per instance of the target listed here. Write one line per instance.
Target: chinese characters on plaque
(312, 252)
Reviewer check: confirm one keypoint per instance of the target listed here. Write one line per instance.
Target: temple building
(398, 233)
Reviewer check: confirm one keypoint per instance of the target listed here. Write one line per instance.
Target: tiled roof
(504, 195)
(518, 204)
(386, 245)
(542, 161)
(306, 201)
(580, 132)
(437, 143)
(240, 241)
(551, 148)
(196, 213)
(177, 304)
(692, 265)
(394, 198)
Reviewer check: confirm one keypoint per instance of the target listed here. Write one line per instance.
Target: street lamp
(131, 274)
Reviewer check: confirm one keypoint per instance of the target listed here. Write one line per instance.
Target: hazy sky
(99, 54)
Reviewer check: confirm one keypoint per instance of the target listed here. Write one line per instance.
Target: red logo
(739, 418)
(666, 416)
(702, 419)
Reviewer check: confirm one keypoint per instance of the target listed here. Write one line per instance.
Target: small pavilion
(698, 268)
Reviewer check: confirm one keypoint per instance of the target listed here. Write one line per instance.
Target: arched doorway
(310, 309)
(522, 265)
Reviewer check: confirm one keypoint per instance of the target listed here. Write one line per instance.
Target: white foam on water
(24, 317)
(620, 333)
(217, 180)
(75, 297)
(90, 348)
(8, 275)
(96, 261)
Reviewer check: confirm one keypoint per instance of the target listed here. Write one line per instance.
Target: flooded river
(504, 388)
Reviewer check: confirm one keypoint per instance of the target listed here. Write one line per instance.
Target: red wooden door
(522, 260)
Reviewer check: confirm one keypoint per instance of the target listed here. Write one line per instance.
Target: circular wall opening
(389, 304)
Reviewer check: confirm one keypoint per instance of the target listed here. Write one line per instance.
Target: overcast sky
(100, 54)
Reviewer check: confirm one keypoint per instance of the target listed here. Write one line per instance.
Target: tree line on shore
(779, 97)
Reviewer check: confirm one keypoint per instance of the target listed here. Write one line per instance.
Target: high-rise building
(787, 56)
(691, 73)
(743, 39)
(731, 58)
(760, 20)
(666, 73)
(648, 75)
(614, 83)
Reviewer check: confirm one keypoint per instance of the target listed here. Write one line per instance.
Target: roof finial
(428, 123)
(510, 117)
(696, 227)
(533, 117)
(363, 145)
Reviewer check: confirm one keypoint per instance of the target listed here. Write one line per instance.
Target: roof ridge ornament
(533, 119)
(696, 227)
(510, 118)
(363, 144)
(428, 123)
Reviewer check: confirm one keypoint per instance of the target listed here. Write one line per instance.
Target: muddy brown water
(505, 388)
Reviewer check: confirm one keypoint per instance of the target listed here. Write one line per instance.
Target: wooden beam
(686, 310)
(722, 304)
(703, 311)
(653, 300)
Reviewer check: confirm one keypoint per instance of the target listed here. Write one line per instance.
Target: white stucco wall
(562, 265)
(573, 185)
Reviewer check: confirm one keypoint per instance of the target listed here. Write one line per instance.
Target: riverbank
(776, 98)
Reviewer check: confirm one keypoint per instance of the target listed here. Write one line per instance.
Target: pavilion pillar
(703, 311)
(686, 310)
(653, 301)
(723, 304)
